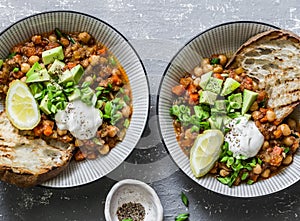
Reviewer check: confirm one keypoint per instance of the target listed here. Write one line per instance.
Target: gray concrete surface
(157, 30)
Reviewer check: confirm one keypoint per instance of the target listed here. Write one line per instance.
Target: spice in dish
(131, 210)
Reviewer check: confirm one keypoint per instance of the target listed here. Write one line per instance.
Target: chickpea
(288, 141)
(207, 68)
(239, 70)
(126, 111)
(288, 160)
(265, 145)
(104, 150)
(32, 59)
(25, 67)
(197, 81)
(84, 37)
(286, 131)
(257, 169)
(64, 41)
(205, 61)
(88, 79)
(277, 133)
(224, 173)
(223, 59)
(254, 85)
(292, 123)
(52, 38)
(266, 173)
(254, 106)
(198, 71)
(256, 115)
(61, 132)
(270, 115)
(218, 69)
(78, 143)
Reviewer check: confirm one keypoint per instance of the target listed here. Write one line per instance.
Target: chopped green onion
(259, 161)
(126, 98)
(11, 55)
(184, 199)
(126, 123)
(1, 63)
(175, 110)
(182, 217)
(195, 129)
(250, 182)
(16, 69)
(244, 176)
(215, 61)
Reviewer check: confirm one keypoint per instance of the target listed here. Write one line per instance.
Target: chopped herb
(215, 61)
(250, 182)
(286, 149)
(129, 219)
(15, 69)
(259, 161)
(184, 199)
(126, 123)
(182, 217)
(244, 176)
(1, 63)
(11, 55)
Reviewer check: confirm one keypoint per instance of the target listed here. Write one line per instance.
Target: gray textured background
(157, 30)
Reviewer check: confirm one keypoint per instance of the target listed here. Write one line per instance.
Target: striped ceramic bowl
(222, 39)
(79, 173)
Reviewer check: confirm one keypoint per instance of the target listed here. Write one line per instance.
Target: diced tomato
(102, 51)
(192, 89)
(277, 150)
(194, 98)
(185, 82)
(178, 90)
(218, 75)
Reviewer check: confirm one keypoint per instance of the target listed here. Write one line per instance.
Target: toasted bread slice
(26, 162)
(273, 58)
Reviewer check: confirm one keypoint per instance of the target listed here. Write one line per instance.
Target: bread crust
(279, 76)
(45, 161)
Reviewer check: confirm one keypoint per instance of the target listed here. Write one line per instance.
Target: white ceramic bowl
(226, 39)
(79, 173)
(134, 191)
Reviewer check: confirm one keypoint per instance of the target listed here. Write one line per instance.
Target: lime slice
(206, 151)
(21, 107)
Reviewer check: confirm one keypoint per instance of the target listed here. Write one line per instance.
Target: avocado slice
(207, 97)
(50, 55)
(35, 68)
(74, 75)
(56, 67)
(248, 98)
(220, 105)
(204, 79)
(65, 77)
(229, 86)
(38, 76)
(214, 85)
(44, 105)
(77, 73)
(75, 95)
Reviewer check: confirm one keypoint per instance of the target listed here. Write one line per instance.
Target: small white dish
(134, 191)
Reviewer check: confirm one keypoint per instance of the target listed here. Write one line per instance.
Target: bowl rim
(134, 182)
(147, 113)
(160, 88)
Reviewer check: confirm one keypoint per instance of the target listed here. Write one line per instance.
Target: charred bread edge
(30, 180)
(272, 34)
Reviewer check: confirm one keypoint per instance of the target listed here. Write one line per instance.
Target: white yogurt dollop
(244, 138)
(80, 119)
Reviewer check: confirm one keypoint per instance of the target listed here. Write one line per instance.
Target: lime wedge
(206, 151)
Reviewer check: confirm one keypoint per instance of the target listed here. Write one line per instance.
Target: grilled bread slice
(273, 58)
(26, 162)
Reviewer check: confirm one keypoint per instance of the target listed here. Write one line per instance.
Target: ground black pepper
(135, 211)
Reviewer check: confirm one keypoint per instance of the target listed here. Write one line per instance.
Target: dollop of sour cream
(80, 119)
(244, 138)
